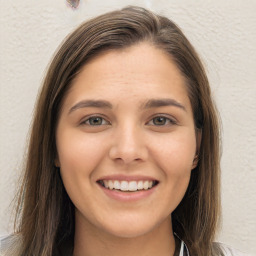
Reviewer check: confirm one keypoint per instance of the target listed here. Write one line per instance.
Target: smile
(127, 186)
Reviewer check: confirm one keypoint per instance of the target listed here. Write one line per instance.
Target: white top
(9, 245)
(233, 252)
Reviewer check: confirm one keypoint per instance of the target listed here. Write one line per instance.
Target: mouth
(128, 186)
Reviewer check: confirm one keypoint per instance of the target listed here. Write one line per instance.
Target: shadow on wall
(73, 3)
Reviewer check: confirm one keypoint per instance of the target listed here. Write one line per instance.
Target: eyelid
(171, 119)
(168, 117)
(86, 118)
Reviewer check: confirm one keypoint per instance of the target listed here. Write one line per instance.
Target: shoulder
(228, 251)
(9, 245)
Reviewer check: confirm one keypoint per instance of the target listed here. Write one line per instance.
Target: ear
(56, 162)
(198, 145)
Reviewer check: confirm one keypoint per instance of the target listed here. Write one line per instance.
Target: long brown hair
(46, 218)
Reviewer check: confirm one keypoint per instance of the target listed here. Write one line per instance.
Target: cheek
(76, 151)
(174, 156)
(175, 152)
(78, 156)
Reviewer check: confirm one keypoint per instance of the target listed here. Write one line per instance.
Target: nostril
(126, 151)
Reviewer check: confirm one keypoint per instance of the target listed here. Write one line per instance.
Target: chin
(132, 228)
(124, 232)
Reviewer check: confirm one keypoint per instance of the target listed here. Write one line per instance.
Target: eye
(95, 121)
(161, 121)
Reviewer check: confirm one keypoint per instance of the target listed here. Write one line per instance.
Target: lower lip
(128, 196)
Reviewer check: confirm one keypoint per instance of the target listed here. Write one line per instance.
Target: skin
(128, 141)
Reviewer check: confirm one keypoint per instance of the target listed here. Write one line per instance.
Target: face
(126, 141)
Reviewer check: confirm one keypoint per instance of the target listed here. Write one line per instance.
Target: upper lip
(127, 178)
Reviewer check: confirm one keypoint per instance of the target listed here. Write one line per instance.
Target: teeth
(124, 186)
(127, 185)
(132, 186)
(145, 185)
(117, 184)
(140, 185)
(110, 184)
(105, 182)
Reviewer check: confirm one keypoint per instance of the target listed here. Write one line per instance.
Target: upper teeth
(127, 185)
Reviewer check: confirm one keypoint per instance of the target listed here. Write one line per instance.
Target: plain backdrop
(224, 34)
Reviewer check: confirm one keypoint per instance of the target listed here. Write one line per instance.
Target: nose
(128, 145)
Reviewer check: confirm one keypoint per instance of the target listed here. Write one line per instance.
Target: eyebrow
(92, 104)
(152, 103)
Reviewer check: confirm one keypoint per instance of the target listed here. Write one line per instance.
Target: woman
(124, 149)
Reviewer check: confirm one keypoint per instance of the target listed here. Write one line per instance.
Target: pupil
(95, 121)
(159, 120)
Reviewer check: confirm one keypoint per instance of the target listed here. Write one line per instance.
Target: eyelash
(167, 121)
(85, 122)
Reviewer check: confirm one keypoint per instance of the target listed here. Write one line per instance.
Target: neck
(159, 241)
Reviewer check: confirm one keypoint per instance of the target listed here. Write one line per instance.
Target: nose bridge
(128, 143)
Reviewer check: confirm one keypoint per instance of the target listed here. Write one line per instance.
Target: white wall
(224, 33)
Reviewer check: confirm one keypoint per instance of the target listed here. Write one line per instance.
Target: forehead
(140, 71)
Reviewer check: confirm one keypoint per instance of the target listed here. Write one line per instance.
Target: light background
(223, 32)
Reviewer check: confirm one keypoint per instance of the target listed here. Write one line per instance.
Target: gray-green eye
(95, 121)
(161, 121)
